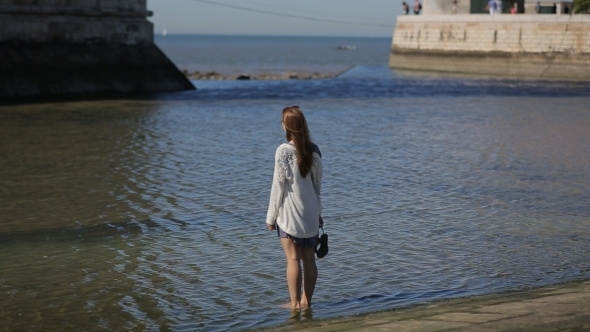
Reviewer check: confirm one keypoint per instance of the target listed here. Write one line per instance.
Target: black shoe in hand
(322, 251)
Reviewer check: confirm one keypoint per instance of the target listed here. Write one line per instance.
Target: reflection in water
(73, 217)
(148, 215)
(75, 282)
(297, 317)
(68, 165)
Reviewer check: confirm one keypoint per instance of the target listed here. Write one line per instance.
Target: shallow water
(149, 214)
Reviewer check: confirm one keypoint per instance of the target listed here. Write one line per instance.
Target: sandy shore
(564, 307)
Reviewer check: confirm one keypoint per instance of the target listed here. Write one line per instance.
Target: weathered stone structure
(540, 46)
(79, 48)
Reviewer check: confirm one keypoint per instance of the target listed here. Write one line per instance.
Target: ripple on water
(150, 214)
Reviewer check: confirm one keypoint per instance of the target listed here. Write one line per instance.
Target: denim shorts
(310, 242)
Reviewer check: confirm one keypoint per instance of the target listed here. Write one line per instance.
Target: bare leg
(310, 276)
(293, 256)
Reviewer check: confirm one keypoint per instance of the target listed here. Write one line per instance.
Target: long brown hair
(296, 130)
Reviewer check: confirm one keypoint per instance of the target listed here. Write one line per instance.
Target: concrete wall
(551, 46)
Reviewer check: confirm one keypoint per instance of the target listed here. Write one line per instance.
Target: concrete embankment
(538, 46)
(564, 307)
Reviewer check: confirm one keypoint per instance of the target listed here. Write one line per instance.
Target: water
(148, 214)
(272, 54)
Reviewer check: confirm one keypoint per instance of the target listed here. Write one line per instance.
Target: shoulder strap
(317, 150)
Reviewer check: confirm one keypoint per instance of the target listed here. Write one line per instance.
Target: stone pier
(537, 46)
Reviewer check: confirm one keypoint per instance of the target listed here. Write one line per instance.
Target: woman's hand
(271, 227)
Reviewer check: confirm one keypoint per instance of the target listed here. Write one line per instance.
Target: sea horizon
(149, 213)
(249, 54)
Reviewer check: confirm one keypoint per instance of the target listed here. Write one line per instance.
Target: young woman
(295, 205)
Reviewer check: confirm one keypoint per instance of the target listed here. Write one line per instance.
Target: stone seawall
(541, 46)
(80, 48)
(115, 21)
(79, 70)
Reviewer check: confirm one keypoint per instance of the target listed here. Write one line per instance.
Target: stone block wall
(499, 33)
(43, 28)
(113, 21)
(103, 5)
(549, 46)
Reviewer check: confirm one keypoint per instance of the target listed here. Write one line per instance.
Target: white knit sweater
(295, 202)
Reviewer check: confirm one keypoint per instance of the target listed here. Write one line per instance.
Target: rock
(213, 75)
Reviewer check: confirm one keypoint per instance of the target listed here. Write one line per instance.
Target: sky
(362, 18)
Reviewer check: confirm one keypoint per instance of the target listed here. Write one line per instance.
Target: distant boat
(164, 32)
(346, 47)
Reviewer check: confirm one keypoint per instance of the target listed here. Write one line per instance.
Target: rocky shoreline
(213, 75)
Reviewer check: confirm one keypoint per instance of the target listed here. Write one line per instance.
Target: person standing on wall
(491, 7)
(495, 7)
(295, 206)
(454, 7)
(498, 7)
(405, 8)
(417, 7)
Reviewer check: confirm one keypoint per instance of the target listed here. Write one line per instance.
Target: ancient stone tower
(79, 48)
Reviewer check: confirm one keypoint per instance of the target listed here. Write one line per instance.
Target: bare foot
(291, 306)
(304, 305)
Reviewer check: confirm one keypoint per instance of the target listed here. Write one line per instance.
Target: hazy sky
(373, 18)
